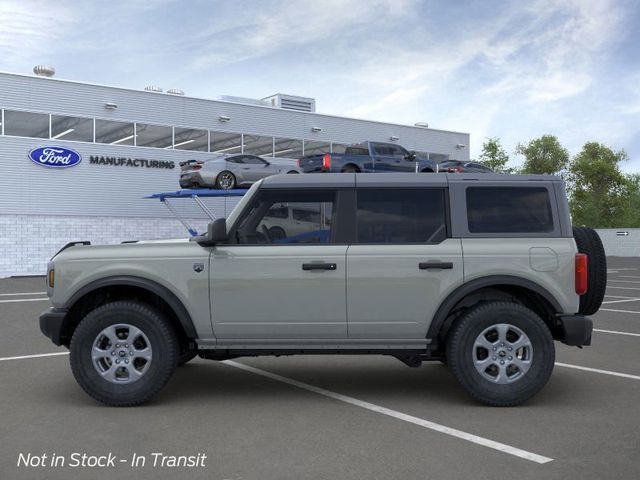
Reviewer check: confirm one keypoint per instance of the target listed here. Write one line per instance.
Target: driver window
(254, 160)
(289, 217)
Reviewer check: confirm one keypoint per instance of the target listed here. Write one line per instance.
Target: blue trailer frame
(195, 194)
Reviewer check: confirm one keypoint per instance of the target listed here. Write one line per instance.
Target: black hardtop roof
(326, 180)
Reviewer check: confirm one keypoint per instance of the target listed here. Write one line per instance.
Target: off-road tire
(157, 329)
(460, 350)
(588, 241)
(186, 356)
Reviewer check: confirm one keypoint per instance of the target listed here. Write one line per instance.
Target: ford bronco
(479, 271)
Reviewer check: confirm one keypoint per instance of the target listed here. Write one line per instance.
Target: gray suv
(482, 272)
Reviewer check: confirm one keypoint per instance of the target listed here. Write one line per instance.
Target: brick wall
(27, 242)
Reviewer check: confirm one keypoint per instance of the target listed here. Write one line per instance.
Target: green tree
(601, 195)
(543, 155)
(494, 156)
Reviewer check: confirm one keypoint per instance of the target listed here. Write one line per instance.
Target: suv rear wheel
(502, 353)
(123, 353)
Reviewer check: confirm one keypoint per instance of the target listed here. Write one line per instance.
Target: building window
(287, 148)
(26, 124)
(190, 139)
(316, 148)
(258, 145)
(71, 128)
(157, 136)
(115, 133)
(224, 142)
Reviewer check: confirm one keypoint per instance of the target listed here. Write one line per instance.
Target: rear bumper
(188, 180)
(575, 330)
(52, 323)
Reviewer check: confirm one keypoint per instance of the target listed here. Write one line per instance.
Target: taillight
(326, 161)
(454, 170)
(581, 273)
(299, 162)
(196, 167)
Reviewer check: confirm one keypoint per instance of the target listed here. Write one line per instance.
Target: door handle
(319, 266)
(435, 265)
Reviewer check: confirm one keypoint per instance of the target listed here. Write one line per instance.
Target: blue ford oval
(55, 157)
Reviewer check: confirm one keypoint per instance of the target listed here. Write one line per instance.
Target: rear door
(402, 263)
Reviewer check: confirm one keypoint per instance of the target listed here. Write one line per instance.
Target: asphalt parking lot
(349, 417)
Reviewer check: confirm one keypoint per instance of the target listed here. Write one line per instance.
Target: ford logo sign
(55, 157)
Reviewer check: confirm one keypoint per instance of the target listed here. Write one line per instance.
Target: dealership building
(120, 145)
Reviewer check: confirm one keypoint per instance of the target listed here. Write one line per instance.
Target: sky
(508, 69)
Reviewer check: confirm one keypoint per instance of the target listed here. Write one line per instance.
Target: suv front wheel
(123, 353)
(502, 353)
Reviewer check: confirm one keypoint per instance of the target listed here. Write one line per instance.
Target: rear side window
(401, 216)
(356, 151)
(509, 210)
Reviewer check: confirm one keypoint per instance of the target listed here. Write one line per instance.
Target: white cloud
(295, 23)
(30, 28)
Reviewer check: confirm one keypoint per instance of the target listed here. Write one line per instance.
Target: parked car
(459, 166)
(231, 171)
(287, 223)
(368, 157)
(482, 272)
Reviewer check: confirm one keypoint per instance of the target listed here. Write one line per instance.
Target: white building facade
(128, 144)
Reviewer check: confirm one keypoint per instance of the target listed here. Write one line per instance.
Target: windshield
(240, 206)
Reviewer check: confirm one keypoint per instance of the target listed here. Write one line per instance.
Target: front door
(282, 279)
(402, 263)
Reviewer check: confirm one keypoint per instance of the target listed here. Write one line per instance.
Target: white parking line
(485, 442)
(18, 300)
(624, 281)
(629, 276)
(617, 311)
(628, 299)
(616, 332)
(23, 357)
(21, 293)
(622, 288)
(597, 370)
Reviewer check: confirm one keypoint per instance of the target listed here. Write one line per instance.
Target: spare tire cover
(588, 241)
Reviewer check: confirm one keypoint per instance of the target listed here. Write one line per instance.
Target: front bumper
(52, 323)
(575, 330)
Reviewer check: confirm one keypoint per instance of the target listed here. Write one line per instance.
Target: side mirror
(216, 233)
(411, 156)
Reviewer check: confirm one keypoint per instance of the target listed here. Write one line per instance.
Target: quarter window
(509, 210)
(252, 160)
(401, 216)
(288, 217)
